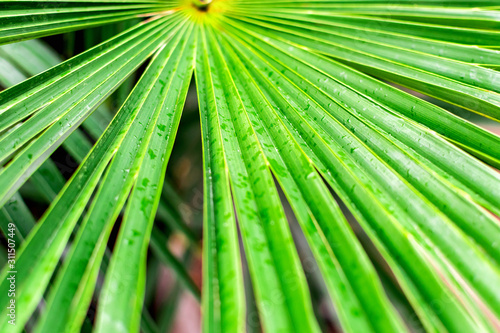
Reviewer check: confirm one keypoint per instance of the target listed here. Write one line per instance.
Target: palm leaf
(141, 208)
(288, 91)
(48, 179)
(30, 19)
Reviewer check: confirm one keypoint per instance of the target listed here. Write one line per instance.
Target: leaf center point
(201, 5)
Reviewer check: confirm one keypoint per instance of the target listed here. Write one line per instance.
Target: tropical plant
(303, 97)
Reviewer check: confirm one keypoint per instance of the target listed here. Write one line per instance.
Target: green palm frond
(300, 97)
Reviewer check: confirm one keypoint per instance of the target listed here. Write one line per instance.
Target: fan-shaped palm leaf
(290, 91)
